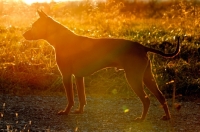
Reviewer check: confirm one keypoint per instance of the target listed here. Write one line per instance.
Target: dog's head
(38, 29)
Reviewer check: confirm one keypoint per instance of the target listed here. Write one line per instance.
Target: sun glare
(46, 1)
(35, 1)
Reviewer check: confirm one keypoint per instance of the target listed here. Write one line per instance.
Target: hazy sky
(48, 1)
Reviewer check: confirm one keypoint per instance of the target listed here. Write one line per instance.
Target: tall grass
(29, 66)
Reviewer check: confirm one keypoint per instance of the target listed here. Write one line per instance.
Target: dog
(81, 56)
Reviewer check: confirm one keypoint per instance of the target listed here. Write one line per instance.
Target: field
(29, 68)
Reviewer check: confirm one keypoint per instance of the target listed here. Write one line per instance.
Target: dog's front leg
(67, 81)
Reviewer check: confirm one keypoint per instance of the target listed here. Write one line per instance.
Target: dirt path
(38, 113)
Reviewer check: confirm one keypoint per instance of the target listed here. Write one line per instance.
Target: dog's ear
(42, 14)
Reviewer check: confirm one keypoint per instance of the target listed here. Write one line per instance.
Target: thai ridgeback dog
(81, 56)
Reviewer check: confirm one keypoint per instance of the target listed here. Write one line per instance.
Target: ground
(102, 113)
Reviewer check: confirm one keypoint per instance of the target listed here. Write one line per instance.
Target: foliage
(27, 66)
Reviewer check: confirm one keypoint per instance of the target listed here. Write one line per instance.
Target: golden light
(29, 2)
(35, 1)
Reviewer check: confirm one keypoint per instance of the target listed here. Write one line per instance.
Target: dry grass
(25, 63)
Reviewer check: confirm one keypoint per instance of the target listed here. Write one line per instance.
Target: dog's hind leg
(149, 81)
(81, 94)
(134, 75)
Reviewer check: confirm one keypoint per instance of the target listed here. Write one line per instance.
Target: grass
(27, 67)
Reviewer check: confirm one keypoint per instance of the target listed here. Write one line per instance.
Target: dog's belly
(88, 69)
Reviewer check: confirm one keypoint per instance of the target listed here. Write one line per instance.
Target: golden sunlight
(35, 1)
(47, 1)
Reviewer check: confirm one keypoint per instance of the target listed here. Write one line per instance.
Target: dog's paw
(165, 118)
(66, 111)
(63, 112)
(138, 119)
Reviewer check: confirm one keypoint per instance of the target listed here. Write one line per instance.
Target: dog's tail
(167, 55)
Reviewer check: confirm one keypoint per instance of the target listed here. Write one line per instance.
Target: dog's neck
(53, 29)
